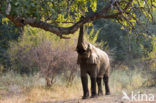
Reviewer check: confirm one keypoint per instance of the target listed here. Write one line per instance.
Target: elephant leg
(100, 92)
(93, 87)
(84, 80)
(106, 81)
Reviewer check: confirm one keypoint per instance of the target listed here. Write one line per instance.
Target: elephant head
(86, 50)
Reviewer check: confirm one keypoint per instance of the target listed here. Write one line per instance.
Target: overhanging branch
(60, 31)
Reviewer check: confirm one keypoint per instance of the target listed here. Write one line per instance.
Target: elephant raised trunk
(81, 48)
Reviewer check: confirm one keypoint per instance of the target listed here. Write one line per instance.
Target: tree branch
(60, 31)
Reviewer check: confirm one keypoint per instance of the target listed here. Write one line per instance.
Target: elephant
(95, 63)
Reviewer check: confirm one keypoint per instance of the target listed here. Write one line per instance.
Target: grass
(15, 88)
(126, 79)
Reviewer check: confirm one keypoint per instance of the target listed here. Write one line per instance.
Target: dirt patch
(101, 99)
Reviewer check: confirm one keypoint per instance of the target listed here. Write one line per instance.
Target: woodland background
(34, 61)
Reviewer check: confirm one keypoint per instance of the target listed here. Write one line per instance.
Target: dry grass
(23, 89)
(40, 94)
(15, 88)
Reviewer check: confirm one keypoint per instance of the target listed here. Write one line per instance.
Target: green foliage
(93, 4)
(151, 58)
(125, 46)
(55, 11)
(93, 36)
(142, 8)
(8, 32)
(153, 53)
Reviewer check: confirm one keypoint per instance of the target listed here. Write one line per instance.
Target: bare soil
(101, 99)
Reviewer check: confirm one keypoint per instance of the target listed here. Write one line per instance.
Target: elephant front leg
(84, 80)
(93, 87)
(106, 80)
(100, 92)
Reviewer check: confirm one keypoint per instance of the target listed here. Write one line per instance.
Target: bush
(54, 61)
(46, 54)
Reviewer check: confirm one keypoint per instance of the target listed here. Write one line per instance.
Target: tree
(48, 14)
(8, 32)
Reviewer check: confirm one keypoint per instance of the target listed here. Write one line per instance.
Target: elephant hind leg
(106, 82)
(100, 92)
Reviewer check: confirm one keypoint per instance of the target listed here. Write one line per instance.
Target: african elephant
(95, 63)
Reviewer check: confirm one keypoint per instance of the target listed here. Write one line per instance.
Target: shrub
(45, 54)
(54, 61)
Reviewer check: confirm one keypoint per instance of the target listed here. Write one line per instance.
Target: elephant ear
(93, 58)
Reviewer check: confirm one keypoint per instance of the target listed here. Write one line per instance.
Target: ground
(43, 95)
(101, 99)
